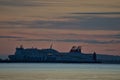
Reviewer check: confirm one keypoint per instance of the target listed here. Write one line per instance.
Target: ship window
(49, 54)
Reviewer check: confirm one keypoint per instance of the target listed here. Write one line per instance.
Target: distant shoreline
(48, 62)
(97, 62)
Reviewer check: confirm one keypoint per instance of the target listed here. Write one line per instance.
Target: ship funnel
(94, 56)
(76, 49)
(21, 47)
(73, 49)
(79, 49)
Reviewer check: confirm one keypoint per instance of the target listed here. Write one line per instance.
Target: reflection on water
(52, 71)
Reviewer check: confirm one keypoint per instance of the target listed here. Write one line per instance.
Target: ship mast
(51, 46)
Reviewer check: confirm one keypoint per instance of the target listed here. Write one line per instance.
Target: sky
(92, 24)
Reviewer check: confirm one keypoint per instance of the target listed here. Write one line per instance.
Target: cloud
(98, 13)
(74, 40)
(72, 34)
(79, 22)
(116, 36)
(71, 37)
(10, 37)
(107, 5)
(17, 3)
(111, 50)
(23, 3)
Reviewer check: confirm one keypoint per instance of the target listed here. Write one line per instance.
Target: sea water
(59, 71)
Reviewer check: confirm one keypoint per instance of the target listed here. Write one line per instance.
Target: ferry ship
(51, 55)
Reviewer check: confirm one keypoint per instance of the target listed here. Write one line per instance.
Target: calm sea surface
(59, 71)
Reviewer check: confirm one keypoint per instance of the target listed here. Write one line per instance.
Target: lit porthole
(49, 54)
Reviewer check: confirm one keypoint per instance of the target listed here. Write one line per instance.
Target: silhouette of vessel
(75, 55)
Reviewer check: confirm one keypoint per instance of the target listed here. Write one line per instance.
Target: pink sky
(95, 25)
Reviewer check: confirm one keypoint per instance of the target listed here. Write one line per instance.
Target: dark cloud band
(74, 40)
(10, 37)
(77, 22)
(98, 13)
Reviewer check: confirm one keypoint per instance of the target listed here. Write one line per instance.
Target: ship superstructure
(51, 55)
